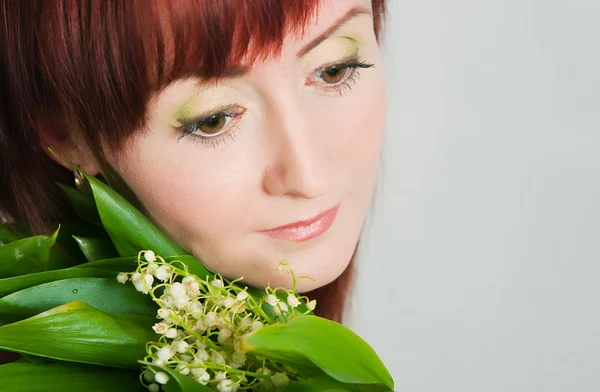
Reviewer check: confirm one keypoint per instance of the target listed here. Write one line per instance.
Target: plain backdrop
(480, 266)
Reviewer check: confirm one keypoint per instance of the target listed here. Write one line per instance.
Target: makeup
(305, 230)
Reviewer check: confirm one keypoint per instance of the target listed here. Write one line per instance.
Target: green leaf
(128, 228)
(106, 295)
(77, 332)
(129, 264)
(61, 377)
(83, 205)
(322, 384)
(14, 284)
(178, 382)
(26, 255)
(334, 350)
(96, 248)
(9, 234)
(65, 252)
(115, 264)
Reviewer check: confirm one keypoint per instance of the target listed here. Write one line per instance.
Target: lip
(305, 230)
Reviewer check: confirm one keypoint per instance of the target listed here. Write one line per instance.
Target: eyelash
(345, 84)
(189, 127)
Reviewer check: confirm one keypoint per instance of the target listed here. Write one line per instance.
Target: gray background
(480, 267)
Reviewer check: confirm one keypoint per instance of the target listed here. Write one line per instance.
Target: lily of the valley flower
(201, 325)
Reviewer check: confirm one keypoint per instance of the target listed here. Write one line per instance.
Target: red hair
(93, 65)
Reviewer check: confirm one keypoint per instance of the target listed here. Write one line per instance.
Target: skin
(298, 148)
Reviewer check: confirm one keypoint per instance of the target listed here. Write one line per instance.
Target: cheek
(359, 126)
(190, 203)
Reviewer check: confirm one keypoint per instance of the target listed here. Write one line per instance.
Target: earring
(80, 182)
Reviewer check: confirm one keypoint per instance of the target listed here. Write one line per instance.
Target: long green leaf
(106, 295)
(61, 377)
(26, 256)
(77, 332)
(14, 284)
(322, 384)
(334, 350)
(129, 264)
(82, 204)
(96, 248)
(9, 234)
(128, 228)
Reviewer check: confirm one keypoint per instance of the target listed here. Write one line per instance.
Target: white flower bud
(163, 313)
(292, 300)
(181, 346)
(151, 269)
(280, 380)
(201, 356)
(245, 324)
(163, 273)
(203, 379)
(197, 309)
(281, 307)
(161, 377)
(198, 371)
(171, 333)
(264, 371)
(191, 285)
(238, 357)
(177, 290)
(141, 287)
(242, 296)
(210, 320)
(227, 386)
(219, 358)
(272, 300)
(181, 302)
(122, 277)
(224, 336)
(256, 325)
(149, 279)
(200, 326)
(227, 302)
(218, 283)
(149, 256)
(165, 353)
(161, 328)
(182, 368)
(311, 305)
(153, 388)
(159, 362)
(219, 376)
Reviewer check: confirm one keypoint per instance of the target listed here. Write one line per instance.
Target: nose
(299, 163)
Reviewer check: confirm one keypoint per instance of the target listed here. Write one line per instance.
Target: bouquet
(109, 302)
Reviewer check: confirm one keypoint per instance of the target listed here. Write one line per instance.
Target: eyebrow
(242, 70)
(352, 13)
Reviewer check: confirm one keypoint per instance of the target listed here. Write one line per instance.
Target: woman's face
(239, 172)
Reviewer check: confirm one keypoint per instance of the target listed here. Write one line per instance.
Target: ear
(69, 144)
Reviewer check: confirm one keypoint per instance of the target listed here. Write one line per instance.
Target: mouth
(305, 230)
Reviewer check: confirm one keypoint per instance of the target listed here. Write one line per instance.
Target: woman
(249, 131)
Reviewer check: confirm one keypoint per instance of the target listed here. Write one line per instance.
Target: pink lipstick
(305, 230)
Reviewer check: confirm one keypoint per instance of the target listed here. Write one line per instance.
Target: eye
(333, 74)
(210, 126)
(213, 124)
(337, 77)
